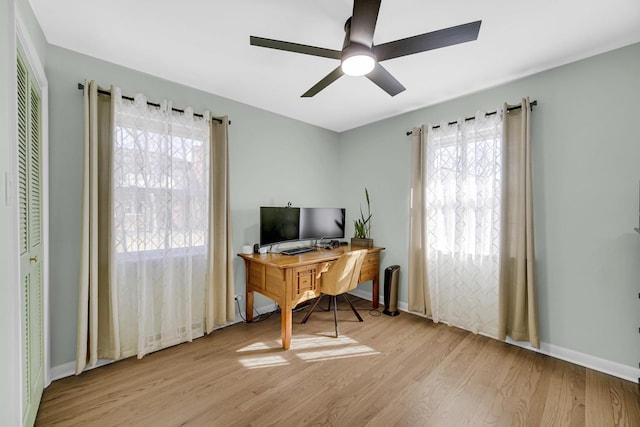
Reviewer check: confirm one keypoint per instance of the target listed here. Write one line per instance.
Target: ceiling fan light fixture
(358, 65)
(357, 60)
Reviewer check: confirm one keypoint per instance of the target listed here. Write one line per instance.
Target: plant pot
(365, 243)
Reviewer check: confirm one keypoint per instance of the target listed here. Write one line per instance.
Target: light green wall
(586, 166)
(586, 174)
(9, 282)
(25, 13)
(273, 159)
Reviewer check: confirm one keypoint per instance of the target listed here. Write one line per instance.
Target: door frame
(24, 42)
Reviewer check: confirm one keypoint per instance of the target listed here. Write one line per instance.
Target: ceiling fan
(359, 57)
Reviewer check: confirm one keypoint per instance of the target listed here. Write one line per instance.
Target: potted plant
(362, 225)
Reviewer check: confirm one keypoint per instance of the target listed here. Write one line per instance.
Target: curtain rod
(177, 110)
(517, 107)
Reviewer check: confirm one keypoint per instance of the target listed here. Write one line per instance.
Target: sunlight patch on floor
(308, 349)
(315, 342)
(255, 347)
(337, 353)
(266, 361)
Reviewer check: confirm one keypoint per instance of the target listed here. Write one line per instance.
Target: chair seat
(340, 278)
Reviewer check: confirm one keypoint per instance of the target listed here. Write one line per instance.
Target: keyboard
(297, 251)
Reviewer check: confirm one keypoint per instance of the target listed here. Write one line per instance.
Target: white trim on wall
(619, 370)
(581, 359)
(14, 346)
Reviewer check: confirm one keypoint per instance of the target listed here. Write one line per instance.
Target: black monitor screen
(322, 223)
(279, 224)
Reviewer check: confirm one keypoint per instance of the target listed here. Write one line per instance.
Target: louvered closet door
(30, 210)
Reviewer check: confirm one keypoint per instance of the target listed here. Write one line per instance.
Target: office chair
(341, 277)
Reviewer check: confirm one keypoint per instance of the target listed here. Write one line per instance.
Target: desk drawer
(304, 279)
(368, 273)
(371, 260)
(370, 267)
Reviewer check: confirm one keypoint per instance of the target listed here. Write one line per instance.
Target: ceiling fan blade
(428, 41)
(385, 80)
(363, 21)
(330, 78)
(295, 47)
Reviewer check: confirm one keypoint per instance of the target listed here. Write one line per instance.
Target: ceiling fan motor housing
(357, 59)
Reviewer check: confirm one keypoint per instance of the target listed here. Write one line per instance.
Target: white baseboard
(62, 371)
(619, 370)
(68, 369)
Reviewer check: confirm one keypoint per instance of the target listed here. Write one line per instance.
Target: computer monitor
(279, 224)
(322, 223)
(286, 224)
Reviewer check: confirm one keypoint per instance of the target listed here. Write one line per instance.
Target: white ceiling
(205, 44)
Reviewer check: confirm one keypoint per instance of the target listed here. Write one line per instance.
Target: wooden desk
(292, 279)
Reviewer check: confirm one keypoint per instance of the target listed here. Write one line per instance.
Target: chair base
(334, 301)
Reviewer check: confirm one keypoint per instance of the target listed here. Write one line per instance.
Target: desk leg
(248, 294)
(375, 287)
(249, 306)
(287, 309)
(285, 327)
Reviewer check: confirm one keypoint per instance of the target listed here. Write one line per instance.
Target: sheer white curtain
(462, 166)
(161, 166)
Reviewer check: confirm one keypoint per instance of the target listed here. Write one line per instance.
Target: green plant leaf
(363, 225)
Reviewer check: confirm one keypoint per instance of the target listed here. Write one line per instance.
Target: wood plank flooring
(403, 370)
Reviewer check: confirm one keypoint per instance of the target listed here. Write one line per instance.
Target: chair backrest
(342, 276)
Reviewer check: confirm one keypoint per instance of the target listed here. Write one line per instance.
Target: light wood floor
(386, 371)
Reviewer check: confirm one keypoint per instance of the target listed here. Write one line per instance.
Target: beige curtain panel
(219, 307)
(97, 326)
(518, 315)
(419, 299)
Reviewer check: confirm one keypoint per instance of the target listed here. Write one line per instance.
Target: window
(160, 206)
(462, 200)
(161, 191)
(160, 187)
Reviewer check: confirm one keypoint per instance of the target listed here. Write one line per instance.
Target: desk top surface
(319, 255)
